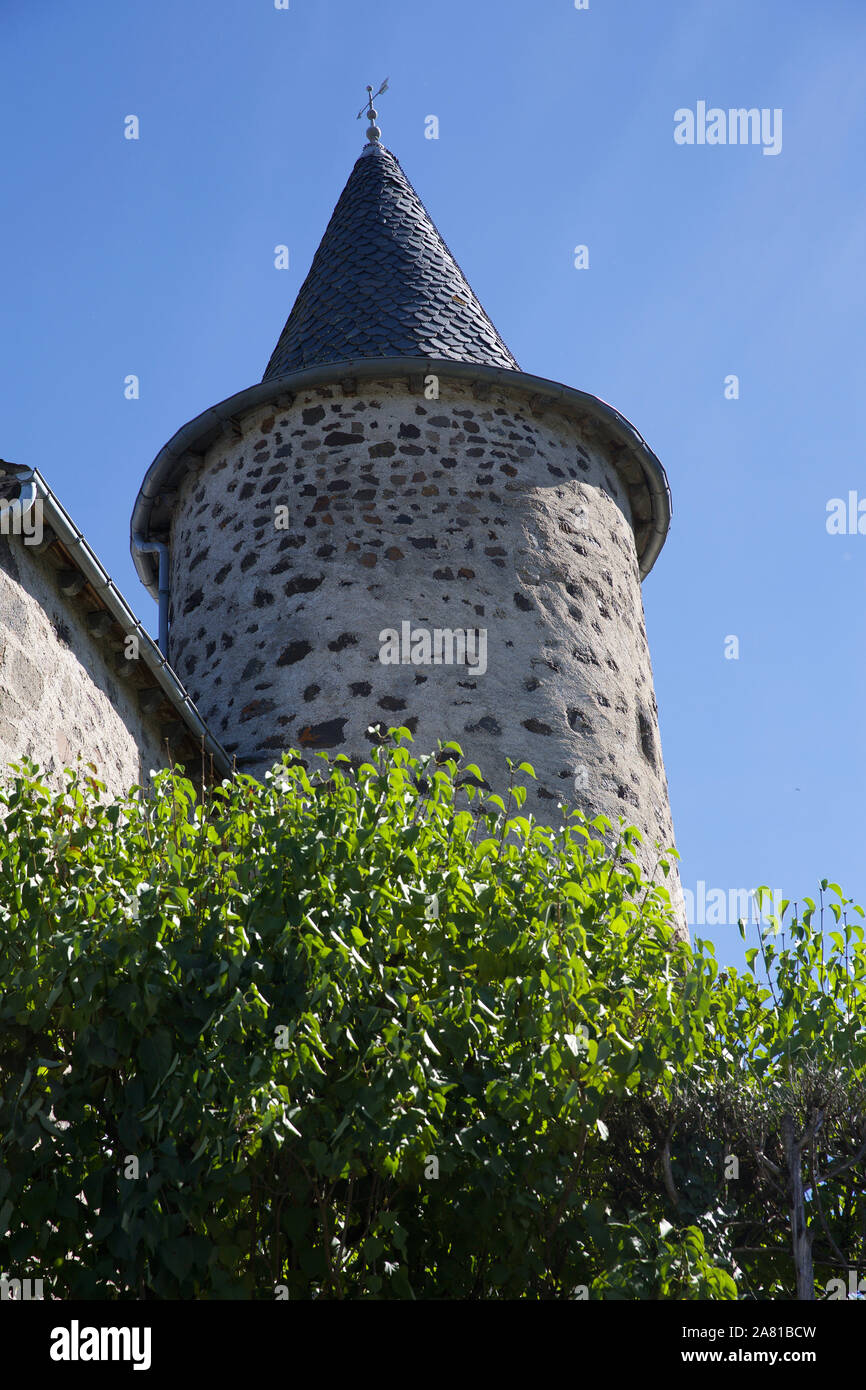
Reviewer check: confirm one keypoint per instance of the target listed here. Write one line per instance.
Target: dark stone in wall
(295, 651)
(256, 708)
(645, 736)
(340, 437)
(303, 584)
(328, 734)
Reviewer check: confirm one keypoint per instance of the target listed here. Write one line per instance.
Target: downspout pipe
(27, 496)
(161, 549)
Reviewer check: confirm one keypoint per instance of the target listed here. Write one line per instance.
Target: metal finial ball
(373, 132)
(372, 113)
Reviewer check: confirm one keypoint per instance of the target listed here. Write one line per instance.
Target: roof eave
(642, 473)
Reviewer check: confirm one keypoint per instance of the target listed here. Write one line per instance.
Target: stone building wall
(58, 696)
(455, 513)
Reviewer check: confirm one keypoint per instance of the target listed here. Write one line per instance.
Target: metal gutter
(173, 462)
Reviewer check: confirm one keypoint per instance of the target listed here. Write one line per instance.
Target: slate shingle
(384, 284)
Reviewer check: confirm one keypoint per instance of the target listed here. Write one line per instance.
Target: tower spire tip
(373, 131)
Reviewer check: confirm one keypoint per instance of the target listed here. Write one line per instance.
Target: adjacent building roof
(384, 284)
(83, 581)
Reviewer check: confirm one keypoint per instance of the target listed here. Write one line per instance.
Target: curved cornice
(641, 473)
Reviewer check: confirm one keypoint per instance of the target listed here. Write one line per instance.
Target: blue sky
(155, 257)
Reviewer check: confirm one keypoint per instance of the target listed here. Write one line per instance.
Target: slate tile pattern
(384, 284)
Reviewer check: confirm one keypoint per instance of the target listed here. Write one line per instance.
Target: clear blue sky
(155, 257)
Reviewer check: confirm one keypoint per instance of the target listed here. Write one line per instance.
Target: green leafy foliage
(352, 1033)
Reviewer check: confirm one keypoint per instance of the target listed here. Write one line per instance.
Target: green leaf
(178, 1255)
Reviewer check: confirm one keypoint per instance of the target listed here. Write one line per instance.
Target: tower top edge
(193, 439)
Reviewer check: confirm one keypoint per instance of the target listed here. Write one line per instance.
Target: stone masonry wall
(58, 698)
(455, 513)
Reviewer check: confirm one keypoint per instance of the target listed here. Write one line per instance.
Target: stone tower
(397, 525)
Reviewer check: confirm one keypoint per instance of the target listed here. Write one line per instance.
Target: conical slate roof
(384, 284)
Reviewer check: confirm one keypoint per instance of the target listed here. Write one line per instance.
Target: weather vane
(373, 131)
